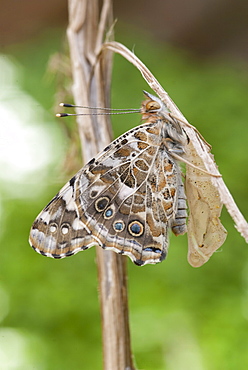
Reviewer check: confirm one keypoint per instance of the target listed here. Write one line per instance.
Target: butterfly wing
(123, 200)
(57, 231)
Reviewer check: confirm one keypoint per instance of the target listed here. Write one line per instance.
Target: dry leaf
(205, 231)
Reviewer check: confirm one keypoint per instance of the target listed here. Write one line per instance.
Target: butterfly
(126, 199)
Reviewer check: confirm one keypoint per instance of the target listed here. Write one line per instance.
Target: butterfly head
(153, 105)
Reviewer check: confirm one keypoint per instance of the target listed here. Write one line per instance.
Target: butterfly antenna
(106, 111)
(100, 108)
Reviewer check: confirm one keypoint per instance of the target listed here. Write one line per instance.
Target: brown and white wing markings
(57, 231)
(124, 200)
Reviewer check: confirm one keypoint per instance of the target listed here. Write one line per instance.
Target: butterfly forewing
(58, 232)
(124, 200)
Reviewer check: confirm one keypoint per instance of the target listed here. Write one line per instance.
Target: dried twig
(91, 86)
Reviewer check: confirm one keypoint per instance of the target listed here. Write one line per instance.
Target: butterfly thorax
(167, 128)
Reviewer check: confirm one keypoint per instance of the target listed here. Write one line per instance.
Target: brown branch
(91, 87)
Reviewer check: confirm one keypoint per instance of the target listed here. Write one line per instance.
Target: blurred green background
(181, 317)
